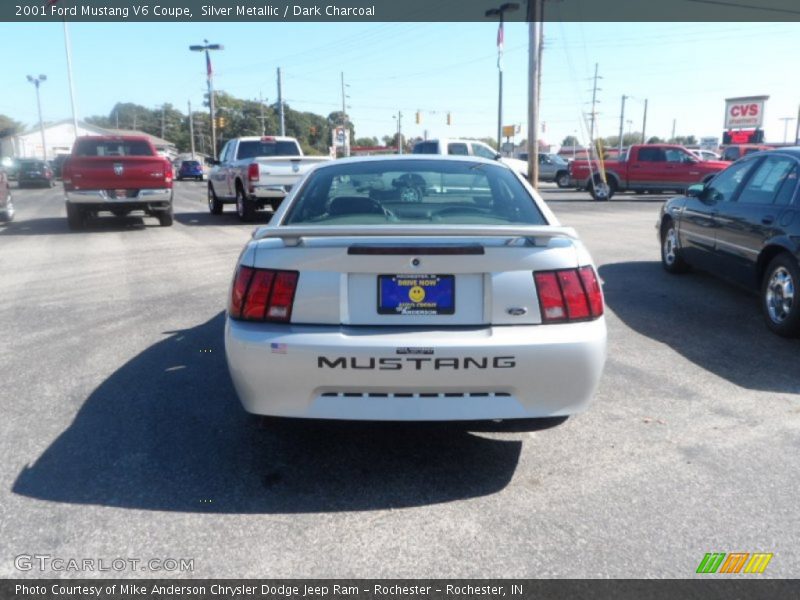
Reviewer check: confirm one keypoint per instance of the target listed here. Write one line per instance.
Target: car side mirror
(498, 156)
(696, 190)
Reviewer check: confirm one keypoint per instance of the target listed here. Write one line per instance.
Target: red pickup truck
(645, 167)
(116, 174)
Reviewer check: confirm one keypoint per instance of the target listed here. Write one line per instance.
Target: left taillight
(569, 295)
(263, 294)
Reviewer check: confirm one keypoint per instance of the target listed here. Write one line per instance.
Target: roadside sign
(745, 113)
(509, 130)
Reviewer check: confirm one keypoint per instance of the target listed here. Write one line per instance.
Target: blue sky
(685, 70)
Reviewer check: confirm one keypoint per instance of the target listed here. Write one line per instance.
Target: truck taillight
(167, 172)
(263, 294)
(252, 172)
(569, 295)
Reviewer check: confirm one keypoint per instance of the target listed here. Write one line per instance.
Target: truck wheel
(562, 179)
(244, 206)
(780, 296)
(75, 218)
(214, 204)
(7, 215)
(165, 218)
(602, 191)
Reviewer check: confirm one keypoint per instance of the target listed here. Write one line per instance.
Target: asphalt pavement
(122, 436)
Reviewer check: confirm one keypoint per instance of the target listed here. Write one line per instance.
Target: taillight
(263, 294)
(252, 172)
(569, 295)
(168, 172)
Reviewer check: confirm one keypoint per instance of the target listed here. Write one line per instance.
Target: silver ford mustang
(415, 289)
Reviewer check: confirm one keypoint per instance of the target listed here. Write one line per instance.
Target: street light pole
(499, 12)
(206, 47)
(36, 81)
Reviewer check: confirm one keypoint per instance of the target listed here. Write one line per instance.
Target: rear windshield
(190, 163)
(413, 191)
(113, 148)
(258, 148)
(31, 164)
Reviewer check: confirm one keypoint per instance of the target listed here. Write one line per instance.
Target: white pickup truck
(256, 172)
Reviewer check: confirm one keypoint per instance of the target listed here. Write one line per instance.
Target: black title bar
(395, 10)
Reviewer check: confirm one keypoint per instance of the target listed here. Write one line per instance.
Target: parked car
(471, 302)
(460, 147)
(34, 173)
(6, 204)
(743, 225)
(737, 151)
(116, 174)
(256, 172)
(191, 169)
(552, 168)
(57, 163)
(703, 154)
(643, 167)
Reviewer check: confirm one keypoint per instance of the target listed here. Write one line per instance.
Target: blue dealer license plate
(416, 294)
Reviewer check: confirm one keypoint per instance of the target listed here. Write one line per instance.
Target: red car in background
(644, 167)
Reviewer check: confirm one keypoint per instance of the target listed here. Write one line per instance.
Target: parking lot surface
(122, 436)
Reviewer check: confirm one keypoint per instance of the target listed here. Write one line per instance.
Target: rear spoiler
(292, 235)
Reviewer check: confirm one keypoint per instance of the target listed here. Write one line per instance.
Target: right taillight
(253, 172)
(263, 294)
(569, 295)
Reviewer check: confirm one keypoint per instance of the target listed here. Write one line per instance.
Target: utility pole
(210, 80)
(163, 109)
(797, 128)
(36, 81)
(262, 117)
(280, 103)
(344, 121)
(534, 18)
(786, 127)
(399, 132)
(644, 121)
(500, 12)
(594, 103)
(673, 131)
(116, 114)
(67, 47)
(621, 123)
(191, 126)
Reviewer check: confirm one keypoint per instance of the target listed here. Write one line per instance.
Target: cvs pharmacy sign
(747, 112)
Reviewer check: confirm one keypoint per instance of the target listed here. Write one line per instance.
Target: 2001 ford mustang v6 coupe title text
(427, 288)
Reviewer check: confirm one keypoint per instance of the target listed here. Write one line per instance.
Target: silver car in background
(415, 289)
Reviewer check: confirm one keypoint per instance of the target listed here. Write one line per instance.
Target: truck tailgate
(123, 172)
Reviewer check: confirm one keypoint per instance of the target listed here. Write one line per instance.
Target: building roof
(156, 141)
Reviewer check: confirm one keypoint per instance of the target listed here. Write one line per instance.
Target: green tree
(655, 140)
(570, 141)
(9, 126)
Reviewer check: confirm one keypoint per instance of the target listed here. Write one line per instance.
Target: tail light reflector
(263, 294)
(252, 172)
(569, 295)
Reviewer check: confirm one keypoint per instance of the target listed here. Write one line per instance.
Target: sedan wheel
(779, 294)
(562, 180)
(671, 258)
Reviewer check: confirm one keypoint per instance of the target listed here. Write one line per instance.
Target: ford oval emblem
(118, 168)
(517, 311)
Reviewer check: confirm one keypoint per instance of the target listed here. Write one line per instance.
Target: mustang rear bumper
(404, 374)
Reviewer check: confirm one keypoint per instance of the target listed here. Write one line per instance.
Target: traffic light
(449, 120)
(419, 117)
(221, 122)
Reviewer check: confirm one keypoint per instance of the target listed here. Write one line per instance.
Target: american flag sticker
(278, 348)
